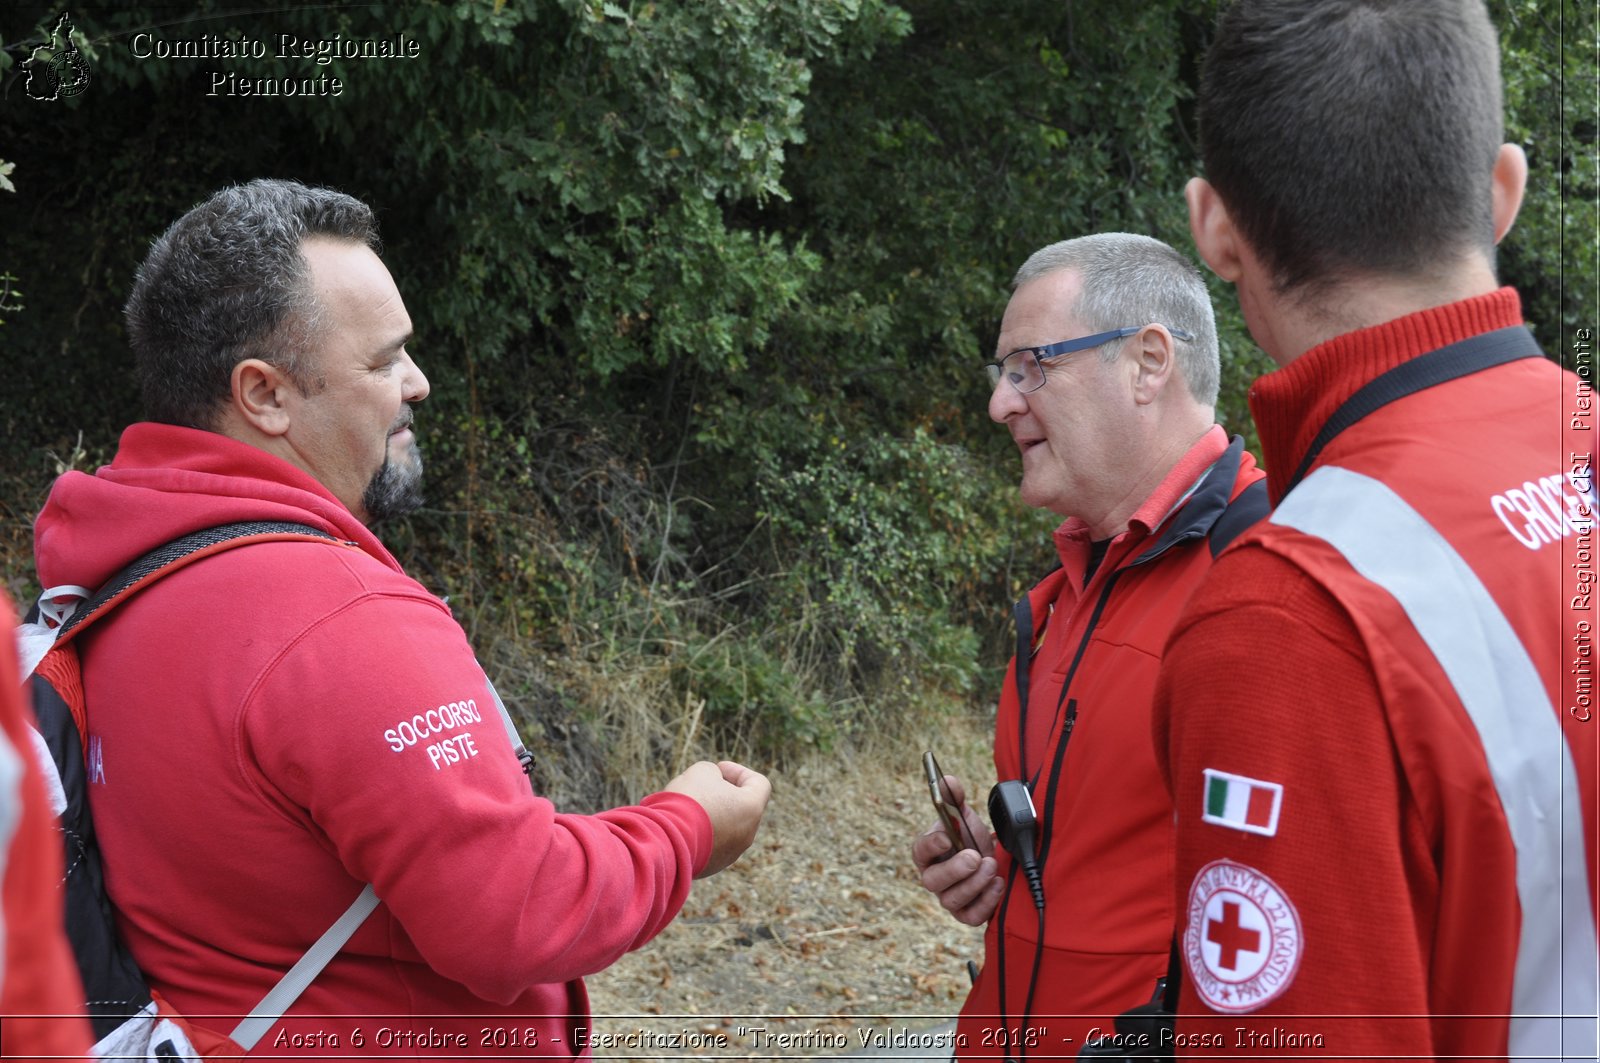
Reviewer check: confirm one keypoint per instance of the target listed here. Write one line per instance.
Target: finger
(942, 876)
(980, 832)
(982, 907)
(958, 793)
(737, 773)
(757, 785)
(961, 896)
(930, 847)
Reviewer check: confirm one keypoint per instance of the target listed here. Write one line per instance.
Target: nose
(1005, 402)
(416, 381)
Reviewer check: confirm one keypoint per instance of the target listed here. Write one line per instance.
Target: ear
(1154, 355)
(261, 396)
(1215, 237)
(1510, 180)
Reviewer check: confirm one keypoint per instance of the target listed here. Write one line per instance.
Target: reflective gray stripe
(1389, 543)
(294, 982)
(505, 718)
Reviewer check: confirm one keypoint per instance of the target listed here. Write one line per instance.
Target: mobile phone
(955, 824)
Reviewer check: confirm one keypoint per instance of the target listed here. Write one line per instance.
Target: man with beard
(275, 725)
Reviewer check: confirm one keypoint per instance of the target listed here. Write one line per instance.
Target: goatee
(396, 488)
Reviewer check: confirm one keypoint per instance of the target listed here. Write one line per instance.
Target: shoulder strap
(304, 972)
(1460, 359)
(1023, 616)
(1239, 516)
(170, 557)
(524, 757)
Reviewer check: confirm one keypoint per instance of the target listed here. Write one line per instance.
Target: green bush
(703, 291)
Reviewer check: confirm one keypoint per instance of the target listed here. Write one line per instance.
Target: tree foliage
(703, 290)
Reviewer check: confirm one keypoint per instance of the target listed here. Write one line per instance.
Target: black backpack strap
(1243, 512)
(1461, 359)
(114, 988)
(169, 557)
(1022, 617)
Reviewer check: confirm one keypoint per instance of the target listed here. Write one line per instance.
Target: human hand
(735, 797)
(967, 882)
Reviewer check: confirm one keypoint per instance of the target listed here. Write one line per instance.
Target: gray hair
(226, 282)
(1135, 280)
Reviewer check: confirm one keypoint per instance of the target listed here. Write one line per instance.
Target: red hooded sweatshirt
(275, 725)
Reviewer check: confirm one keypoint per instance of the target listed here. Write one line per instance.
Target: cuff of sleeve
(695, 820)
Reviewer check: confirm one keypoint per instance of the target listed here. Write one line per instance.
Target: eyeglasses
(1023, 369)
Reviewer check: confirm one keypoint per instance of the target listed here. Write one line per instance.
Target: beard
(395, 490)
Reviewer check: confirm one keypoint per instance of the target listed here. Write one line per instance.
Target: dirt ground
(820, 936)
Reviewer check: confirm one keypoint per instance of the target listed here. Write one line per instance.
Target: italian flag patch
(1241, 803)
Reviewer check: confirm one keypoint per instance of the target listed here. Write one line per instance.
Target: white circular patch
(1243, 939)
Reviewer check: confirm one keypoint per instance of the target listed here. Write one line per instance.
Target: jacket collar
(1204, 506)
(1290, 405)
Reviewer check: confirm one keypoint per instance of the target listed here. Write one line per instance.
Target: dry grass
(821, 931)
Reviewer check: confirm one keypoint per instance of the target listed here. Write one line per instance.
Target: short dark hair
(226, 282)
(1354, 136)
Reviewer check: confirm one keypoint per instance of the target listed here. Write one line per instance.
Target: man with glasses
(1106, 378)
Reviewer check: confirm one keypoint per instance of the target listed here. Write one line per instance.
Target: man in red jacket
(1106, 375)
(276, 725)
(1376, 714)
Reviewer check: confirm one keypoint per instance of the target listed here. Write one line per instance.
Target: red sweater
(1383, 866)
(283, 722)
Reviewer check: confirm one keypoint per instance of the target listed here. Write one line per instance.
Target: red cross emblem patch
(1242, 940)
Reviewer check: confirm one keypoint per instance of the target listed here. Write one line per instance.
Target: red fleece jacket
(1105, 836)
(280, 723)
